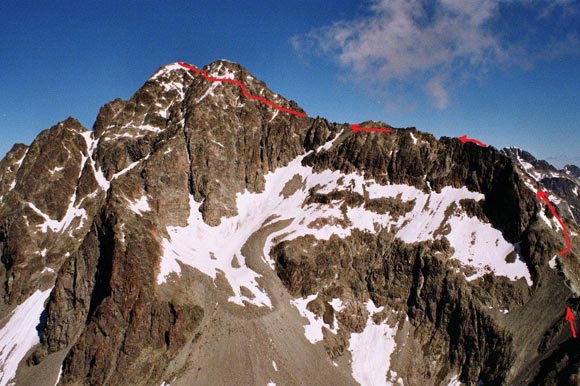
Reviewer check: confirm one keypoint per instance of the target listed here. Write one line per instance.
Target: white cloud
(418, 40)
(438, 93)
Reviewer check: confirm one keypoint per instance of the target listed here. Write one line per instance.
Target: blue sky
(504, 72)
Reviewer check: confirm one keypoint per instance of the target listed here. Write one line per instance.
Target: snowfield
(371, 351)
(214, 250)
(19, 334)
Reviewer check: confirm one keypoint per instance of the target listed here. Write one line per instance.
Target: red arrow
(570, 318)
(464, 140)
(543, 196)
(356, 128)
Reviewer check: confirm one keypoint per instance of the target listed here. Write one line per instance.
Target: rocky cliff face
(197, 236)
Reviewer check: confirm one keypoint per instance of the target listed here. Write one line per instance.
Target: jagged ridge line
(242, 87)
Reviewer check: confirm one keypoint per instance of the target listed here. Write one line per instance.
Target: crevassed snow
(19, 334)
(312, 330)
(371, 352)
(140, 206)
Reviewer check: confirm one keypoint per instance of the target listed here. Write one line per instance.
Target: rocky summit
(196, 236)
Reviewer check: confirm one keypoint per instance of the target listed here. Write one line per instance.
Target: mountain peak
(204, 211)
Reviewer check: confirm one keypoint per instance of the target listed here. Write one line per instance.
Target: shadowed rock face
(88, 214)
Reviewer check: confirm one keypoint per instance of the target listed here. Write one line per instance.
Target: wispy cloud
(438, 93)
(434, 42)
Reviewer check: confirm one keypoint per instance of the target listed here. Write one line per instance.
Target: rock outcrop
(188, 237)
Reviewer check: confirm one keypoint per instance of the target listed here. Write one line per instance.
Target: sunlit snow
(140, 206)
(312, 330)
(371, 352)
(202, 246)
(19, 334)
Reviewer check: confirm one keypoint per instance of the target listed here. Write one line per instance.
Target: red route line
(543, 196)
(570, 318)
(244, 90)
(464, 140)
(356, 128)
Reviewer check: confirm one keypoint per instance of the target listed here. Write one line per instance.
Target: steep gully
(541, 196)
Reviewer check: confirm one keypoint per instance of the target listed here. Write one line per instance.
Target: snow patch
(202, 246)
(483, 247)
(371, 352)
(166, 70)
(337, 304)
(140, 206)
(20, 334)
(274, 366)
(546, 220)
(413, 138)
(553, 263)
(312, 330)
